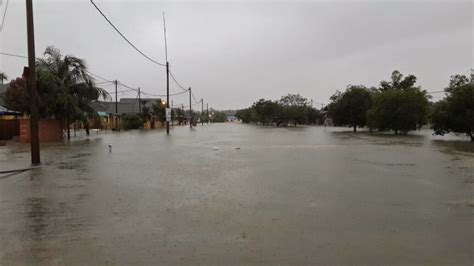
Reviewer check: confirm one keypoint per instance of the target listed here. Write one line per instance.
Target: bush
(132, 122)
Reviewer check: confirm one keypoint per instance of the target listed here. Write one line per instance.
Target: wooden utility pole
(202, 112)
(116, 105)
(208, 118)
(116, 97)
(190, 110)
(139, 102)
(167, 76)
(167, 94)
(31, 83)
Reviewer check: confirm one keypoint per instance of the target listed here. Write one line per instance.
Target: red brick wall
(9, 129)
(49, 130)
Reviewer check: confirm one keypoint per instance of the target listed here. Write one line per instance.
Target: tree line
(292, 109)
(397, 105)
(400, 106)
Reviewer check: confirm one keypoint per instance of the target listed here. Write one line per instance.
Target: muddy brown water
(288, 196)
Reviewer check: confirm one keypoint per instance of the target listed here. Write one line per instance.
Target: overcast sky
(234, 52)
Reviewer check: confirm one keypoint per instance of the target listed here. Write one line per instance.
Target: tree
(246, 115)
(293, 109)
(16, 96)
(180, 115)
(65, 90)
(159, 109)
(75, 88)
(217, 116)
(398, 105)
(3, 77)
(350, 107)
(290, 109)
(132, 121)
(455, 113)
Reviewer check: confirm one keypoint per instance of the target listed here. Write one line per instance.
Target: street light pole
(202, 112)
(31, 82)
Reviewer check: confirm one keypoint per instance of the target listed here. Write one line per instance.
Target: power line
(194, 98)
(23, 56)
(4, 15)
(181, 86)
(102, 78)
(194, 104)
(125, 38)
(150, 94)
(14, 55)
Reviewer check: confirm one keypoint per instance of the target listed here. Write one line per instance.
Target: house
(125, 106)
(231, 118)
(111, 119)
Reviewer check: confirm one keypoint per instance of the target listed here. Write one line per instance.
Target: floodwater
(296, 196)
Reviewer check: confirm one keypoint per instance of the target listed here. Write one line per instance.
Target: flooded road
(288, 196)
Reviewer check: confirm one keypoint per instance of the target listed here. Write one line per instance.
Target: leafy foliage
(290, 109)
(398, 105)
(159, 110)
(350, 108)
(132, 122)
(455, 113)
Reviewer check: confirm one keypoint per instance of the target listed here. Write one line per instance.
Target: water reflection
(454, 146)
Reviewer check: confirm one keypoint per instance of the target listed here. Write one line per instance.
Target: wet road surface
(287, 196)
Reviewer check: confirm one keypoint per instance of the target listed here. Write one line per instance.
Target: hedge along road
(304, 195)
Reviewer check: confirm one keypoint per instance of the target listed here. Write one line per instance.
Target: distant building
(231, 118)
(124, 106)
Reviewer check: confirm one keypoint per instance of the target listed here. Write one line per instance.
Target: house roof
(5, 111)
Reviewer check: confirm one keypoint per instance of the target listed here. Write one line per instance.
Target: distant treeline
(396, 105)
(292, 109)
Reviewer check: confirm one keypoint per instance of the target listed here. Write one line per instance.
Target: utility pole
(139, 102)
(116, 98)
(167, 94)
(208, 118)
(202, 112)
(31, 82)
(167, 77)
(190, 110)
(116, 105)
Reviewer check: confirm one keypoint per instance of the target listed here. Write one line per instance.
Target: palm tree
(76, 88)
(3, 77)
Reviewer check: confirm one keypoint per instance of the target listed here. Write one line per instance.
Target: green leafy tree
(314, 116)
(75, 88)
(455, 113)
(398, 105)
(293, 109)
(350, 107)
(159, 109)
(132, 121)
(246, 115)
(217, 116)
